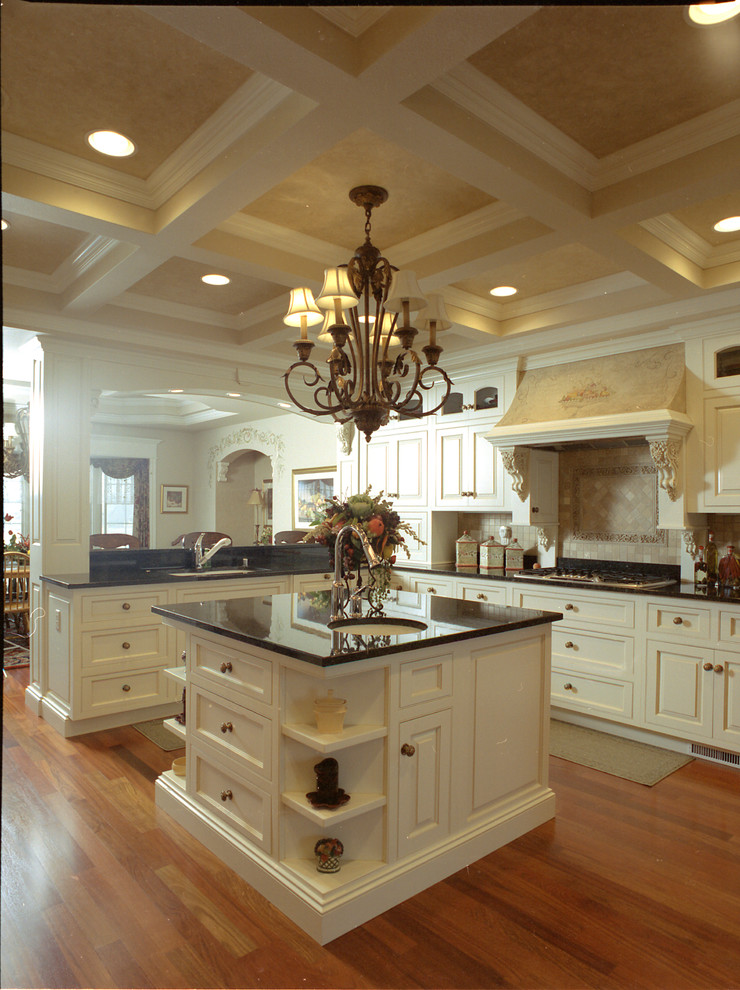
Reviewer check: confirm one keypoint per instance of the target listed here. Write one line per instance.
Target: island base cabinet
(424, 781)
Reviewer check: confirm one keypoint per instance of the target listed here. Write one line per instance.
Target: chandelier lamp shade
(364, 308)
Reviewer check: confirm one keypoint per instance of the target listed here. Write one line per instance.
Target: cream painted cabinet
(424, 781)
(396, 463)
(540, 506)
(468, 470)
(722, 453)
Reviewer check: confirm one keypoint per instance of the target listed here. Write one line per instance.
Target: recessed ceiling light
(713, 13)
(727, 225)
(175, 390)
(234, 395)
(111, 143)
(504, 290)
(5, 224)
(215, 279)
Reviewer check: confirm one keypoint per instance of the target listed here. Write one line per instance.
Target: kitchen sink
(384, 626)
(215, 572)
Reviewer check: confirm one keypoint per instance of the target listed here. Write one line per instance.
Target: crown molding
(676, 235)
(280, 238)
(457, 231)
(177, 311)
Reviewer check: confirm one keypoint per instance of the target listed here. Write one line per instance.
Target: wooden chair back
(290, 536)
(16, 586)
(114, 541)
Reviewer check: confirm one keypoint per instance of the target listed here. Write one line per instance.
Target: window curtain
(138, 468)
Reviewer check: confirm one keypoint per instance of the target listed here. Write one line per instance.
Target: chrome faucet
(201, 557)
(373, 560)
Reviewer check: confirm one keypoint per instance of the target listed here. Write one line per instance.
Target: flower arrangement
(377, 518)
(17, 541)
(327, 849)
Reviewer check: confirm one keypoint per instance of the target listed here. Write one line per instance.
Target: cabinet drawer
(493, 594)
(119, 692)
(590, 652)
(575, 608)
(594, 695)
(121, 606)
(245, 735)
(213, 591)
(729, 627)
(144, 646)
(433, 585)
(234, 799)
(425, 680)
(691, 622)
(230, 672)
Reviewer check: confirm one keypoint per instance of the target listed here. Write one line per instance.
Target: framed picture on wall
(174, 498)
(310, 488)
(267, 499)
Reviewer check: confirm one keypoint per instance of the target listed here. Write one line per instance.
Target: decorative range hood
(635, 397)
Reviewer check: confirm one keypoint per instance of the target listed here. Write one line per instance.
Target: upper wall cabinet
(467, 469)
(722, 453)
(396, 463)
(533, 476)
(471, 399)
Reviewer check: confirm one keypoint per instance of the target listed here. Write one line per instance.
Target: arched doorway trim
(270, 444)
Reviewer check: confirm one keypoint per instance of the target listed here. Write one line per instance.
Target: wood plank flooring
(630, 887)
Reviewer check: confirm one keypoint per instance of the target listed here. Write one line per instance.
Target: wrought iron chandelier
(365, 307)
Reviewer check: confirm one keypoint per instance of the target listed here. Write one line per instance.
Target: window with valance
(124, 506)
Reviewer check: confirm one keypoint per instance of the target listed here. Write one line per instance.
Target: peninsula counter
(443, 753)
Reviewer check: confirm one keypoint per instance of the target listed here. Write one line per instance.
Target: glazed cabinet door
(424, 776)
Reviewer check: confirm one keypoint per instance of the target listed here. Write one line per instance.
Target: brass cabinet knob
(226, 796)
(569, 607)
(568, 686)
(708, 666)
(227, 727)
(677, 621)
(569, 645)
(126, 687)
(473, 494)
(126, 606)
(407, 749)
(225, 666)
(393, 495)
(482, 597)
(431, 591)
(718, 668)
(125, 646)
(535, 509)
(183, 656)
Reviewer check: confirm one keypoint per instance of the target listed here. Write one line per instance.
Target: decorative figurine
(328, 853)
(327, 793)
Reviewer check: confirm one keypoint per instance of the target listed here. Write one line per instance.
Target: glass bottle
(729, 569)
(700, 570)
(712, 560)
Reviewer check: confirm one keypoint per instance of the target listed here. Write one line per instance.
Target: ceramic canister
(329, 712)
(514, 556)
(466, 551)
(491, 556)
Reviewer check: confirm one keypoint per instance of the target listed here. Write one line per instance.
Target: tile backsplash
(608, 511)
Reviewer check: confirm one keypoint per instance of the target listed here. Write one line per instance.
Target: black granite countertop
(295, 625)
(681, 589)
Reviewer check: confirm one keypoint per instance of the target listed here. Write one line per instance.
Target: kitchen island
(442, 757)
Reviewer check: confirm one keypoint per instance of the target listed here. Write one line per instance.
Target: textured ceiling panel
(36, 246)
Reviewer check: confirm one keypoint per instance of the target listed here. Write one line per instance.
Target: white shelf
(175, 727)
(325, 883)
(328, 742)
(358, 804)
(176, 673)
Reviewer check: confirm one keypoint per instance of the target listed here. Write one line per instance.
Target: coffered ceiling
(579, 153)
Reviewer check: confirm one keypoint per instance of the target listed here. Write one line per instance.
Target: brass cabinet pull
(227, 727)
(226, 795)
(126, 687)
(718, 668)
(407, 749)
(708, 666)
(482, 597)
(125, 646)
(431, 591)
(569, 607)
(225, 666)
(569, 645)
(568, 686)
(183, 656)
(126, 606)
(535, 509)
(393, 495)
(677, 621)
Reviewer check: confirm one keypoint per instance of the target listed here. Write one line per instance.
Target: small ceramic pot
(329, 712)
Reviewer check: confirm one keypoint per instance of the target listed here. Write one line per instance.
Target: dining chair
(16, 585)
(114, 541)
(187, 540)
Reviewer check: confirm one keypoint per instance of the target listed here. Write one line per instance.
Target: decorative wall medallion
(586, 393)
(617, 504)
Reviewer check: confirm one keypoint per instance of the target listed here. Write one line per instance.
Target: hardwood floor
(629, 887)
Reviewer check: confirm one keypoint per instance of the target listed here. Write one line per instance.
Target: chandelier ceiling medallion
(365, 307)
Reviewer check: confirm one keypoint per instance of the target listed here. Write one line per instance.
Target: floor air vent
(716, 755)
